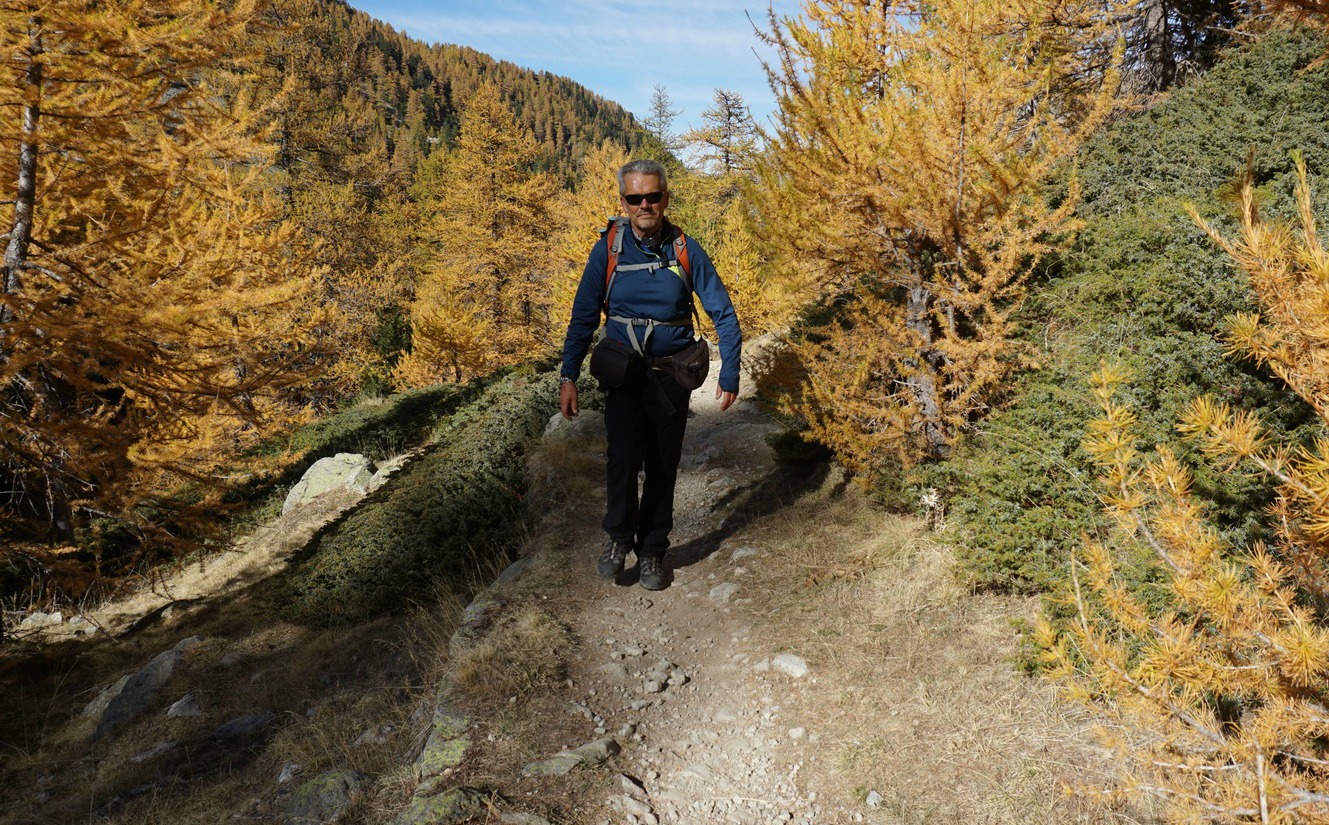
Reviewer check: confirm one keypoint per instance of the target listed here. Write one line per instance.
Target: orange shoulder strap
(681, 253)
(614, 245)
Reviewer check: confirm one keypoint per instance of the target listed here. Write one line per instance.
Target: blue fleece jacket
(659, 294)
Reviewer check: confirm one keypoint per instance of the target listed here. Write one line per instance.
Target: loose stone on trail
(592, 753)
(790, 665)
(743, 553)
(722, 593)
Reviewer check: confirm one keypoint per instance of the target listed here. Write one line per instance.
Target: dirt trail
(701, 698)
(682, 675)
(738, 698)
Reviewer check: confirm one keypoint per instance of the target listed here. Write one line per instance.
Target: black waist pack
(614, 363)
(689, 366)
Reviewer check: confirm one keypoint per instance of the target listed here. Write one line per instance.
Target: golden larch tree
(905, 168)
(1217, 701)
(580, 214)
(491, 258)
(764, 298)
(333, 114)
(153, 318)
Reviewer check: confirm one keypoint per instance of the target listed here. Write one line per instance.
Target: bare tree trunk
(1160, 62)
(20, 235)
(923, 382)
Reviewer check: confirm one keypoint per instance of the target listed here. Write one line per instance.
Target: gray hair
(643, 167)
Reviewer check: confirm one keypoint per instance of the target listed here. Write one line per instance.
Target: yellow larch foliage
(1220, 703)
(763, 298)
(906, 166)
(154, 316)
(451, 340)
(368, 259)
(1289, 272)
(580, 214)
(492, 260)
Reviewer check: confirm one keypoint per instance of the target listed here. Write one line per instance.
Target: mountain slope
(366, 102)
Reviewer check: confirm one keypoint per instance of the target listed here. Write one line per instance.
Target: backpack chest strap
(649, 266)
(614, 233)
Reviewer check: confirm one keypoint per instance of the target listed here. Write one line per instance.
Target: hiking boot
(611, 560)
(651, 573)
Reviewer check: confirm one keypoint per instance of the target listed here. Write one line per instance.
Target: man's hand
(726, 397)
(567, 400)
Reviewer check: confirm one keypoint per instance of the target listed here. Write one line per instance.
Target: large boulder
(590, 424)
(343, 470)
(134, 694)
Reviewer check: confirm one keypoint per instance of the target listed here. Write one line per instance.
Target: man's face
(646, 217)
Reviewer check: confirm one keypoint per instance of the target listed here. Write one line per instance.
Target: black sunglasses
(649, 197)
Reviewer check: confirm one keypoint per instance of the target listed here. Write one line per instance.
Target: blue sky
(618, 50)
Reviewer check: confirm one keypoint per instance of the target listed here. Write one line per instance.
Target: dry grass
(523, 654)
(327, 689)
(564, 472)
(955, 733)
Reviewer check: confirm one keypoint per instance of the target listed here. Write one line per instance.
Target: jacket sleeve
(586, 308)
(714, 299)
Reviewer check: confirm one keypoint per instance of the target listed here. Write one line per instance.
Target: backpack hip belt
(649, 324)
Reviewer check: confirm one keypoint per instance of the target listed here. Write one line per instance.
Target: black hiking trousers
(645, 421)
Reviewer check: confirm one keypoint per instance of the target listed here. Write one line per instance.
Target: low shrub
(1144, 287)
(377, 430)
(459, 503)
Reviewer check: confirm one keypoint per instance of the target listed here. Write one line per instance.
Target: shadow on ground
(777, 489)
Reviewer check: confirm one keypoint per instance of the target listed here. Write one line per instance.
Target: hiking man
(643, 274)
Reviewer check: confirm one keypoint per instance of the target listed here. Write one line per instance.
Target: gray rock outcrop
(243, 730)
(592, 753)
(186, 707)
(453, 806)
(343, 470)
(133, 695)
(323, 798)
(590, 424)
(446, 745)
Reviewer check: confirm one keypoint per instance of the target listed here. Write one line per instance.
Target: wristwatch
(563, 379)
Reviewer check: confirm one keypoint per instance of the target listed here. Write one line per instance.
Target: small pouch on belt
(689, 366)
(614, 363)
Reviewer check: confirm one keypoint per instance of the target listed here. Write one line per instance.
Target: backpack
(614, 241)
(697, 364)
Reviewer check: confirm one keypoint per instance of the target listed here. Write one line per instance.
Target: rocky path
(813, 661)
(699, 704)
(698, 697)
